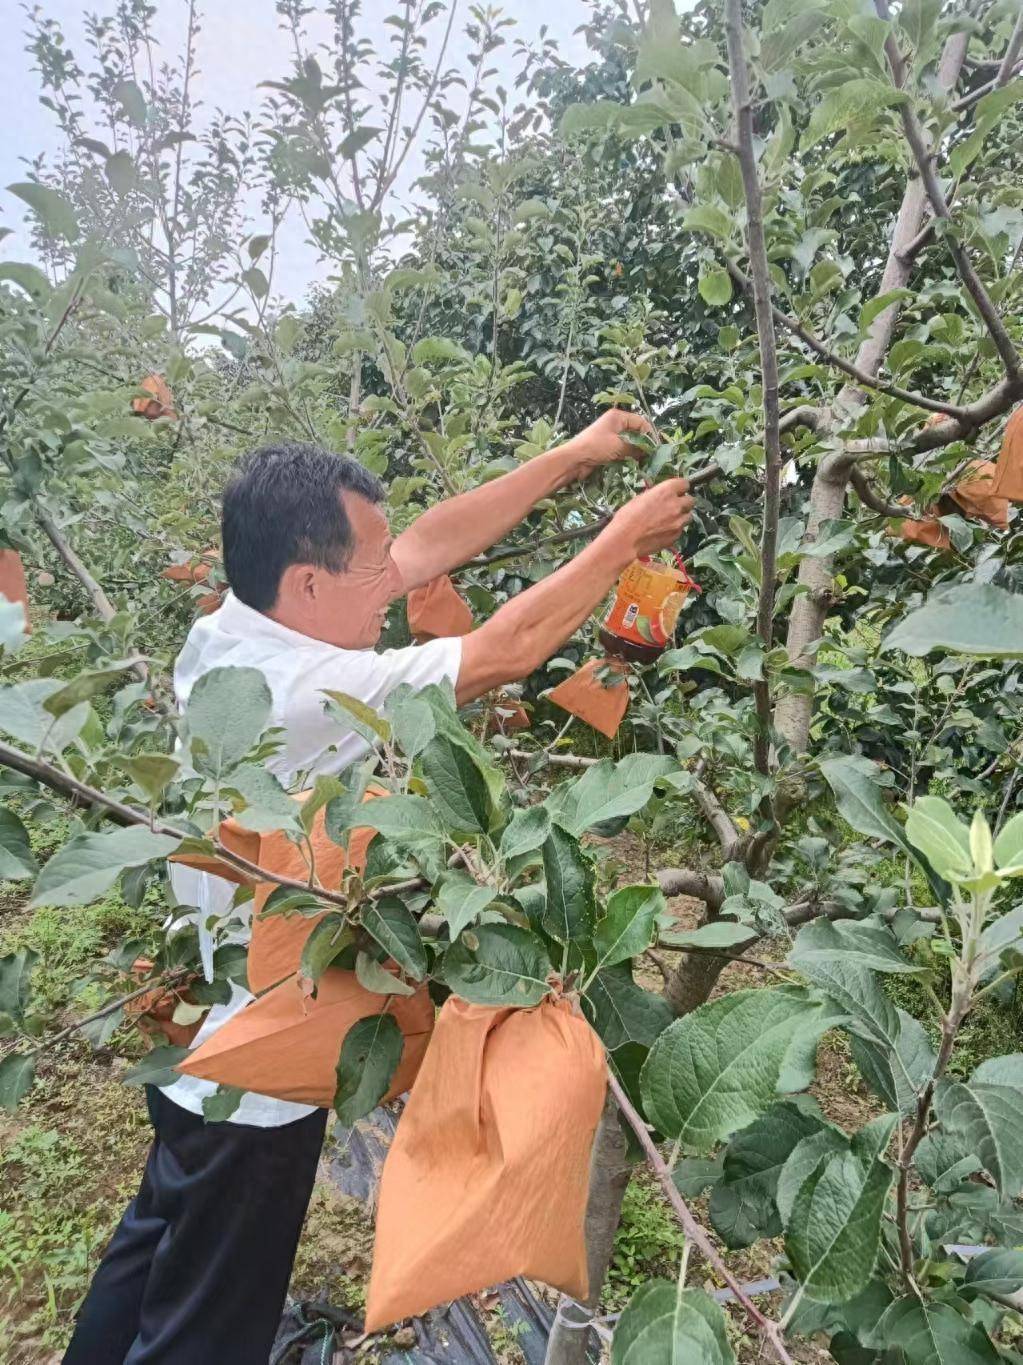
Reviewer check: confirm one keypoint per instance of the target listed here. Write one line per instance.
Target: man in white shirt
(197, 1271)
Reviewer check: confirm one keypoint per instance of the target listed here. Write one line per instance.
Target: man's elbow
(493, 657)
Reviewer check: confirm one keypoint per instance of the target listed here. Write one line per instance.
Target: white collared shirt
(297, 670)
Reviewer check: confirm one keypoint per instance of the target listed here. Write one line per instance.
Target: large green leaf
(156, 1067)
(27, 277)
(227, 711)
(396, 817)
(353, 714)
(777, 47)
(17, 1070)
(89, 864)
(265, 804)
(742, 1206)
(663, 1325)
(854, 781)
(457, 788)
(607, 793)
(998, 1271)
(932, 1334)
(622, 1012)
(16, 858)
(412, 721)
(525, 831)
(392, 924)
(569, 912)
(846, 104)
(497, 964)
(16, 981)
(23, 718)
(628, 925)
(833, 1230)
(461, 900)
(933, 829)
(968, 618)
(863, 943)
(369, 1058)
(718, 1069)
(325, 942)
(987, 1112)
(56, 213)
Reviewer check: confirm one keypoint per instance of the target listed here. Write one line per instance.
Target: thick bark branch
(684, 881)
(998, 400)
(871, 498)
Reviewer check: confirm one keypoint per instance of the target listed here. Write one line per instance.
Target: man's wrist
(617, 547)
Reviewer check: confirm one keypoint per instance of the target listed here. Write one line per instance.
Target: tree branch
(871, 498)
(684, 881)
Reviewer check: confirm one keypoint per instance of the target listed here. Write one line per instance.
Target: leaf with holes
(569, 912)
(369, 1058)
(664, 1325)
(497, 964)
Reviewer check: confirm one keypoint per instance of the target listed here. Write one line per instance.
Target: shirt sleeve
(364, 674)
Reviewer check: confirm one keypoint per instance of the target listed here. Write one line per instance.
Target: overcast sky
(239, 46)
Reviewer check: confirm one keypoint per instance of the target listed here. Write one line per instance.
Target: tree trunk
(609, 1179)
(692, 981)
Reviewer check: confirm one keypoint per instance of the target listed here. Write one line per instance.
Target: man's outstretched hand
(603, 441)
(652, 520)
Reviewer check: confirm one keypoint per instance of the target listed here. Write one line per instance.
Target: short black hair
(282, 505)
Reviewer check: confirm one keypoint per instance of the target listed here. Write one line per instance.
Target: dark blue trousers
(198, 1269)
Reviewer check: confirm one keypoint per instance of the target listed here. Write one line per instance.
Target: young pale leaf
(987, 1112)
(457, 787)
(931, 1334)
(525, 832)
(833, 1231)
(17, 1070)
(497, 964)
(151, 773)
(715, 287)
(461, 900)
(369, 1058)
(391, 923)
(1009, 847)
(16, 859)
(607, 793)
(970, 618)
(89, 864)
(664, 1325)
(227, 711)
(742, 1204)
(569, 913)
(353, 714)
(860, 943)
(374, 976)
(628, 925)
(622, 1012)
(716, 1070)
(932, 827)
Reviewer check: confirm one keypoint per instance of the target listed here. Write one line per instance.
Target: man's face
(346, 609)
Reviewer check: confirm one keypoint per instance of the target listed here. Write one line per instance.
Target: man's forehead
(368, 518)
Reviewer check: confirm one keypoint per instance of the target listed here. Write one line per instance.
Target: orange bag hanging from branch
(437, 611)
(154, 1011)
(637, 627)
(160, 402)
(488, 1174)
(1009, 469)
(974, 495)
(195, 571)
(12, 582)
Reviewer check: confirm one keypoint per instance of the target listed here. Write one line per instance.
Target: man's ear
(298, 587)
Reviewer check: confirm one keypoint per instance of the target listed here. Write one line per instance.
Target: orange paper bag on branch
(1009, 469)
(12, 581)
(437, 611)
(155, 399)
(195, 571)
(637, 628)
(975, 496)
(488, 1174)
(154, 1011)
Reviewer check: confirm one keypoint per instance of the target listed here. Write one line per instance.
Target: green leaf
(987, 1113)
(607, 793)
(355, 715)
(227, 711)
(720, 933)
(27, 277)
(932, 827)
(369, 1058)
(853, 780)
(396, 817)
(1009, 844)
(461, 900)
(622, 1012)
(17, 1070)
(325, 789)
(525, 832)
(969, 618)
(931, 1334)
(862, 943)
(156, 1067)
(833, 1231)
(374, 976)
(56, 213)
(84, 686)
(132, 102)
(457, 788)
(356, 140)
(716, 1070)
(327, 941)
(917, 19)
(412, 723)
(715, 287)
(16, 981)
(23, 718)
(497, 964)
(218, 1107)
(663, 1325)
(437, 350)
(846, 104)
(16, 859)
(89, 864)
(628, 925)
(569, 912)
(742, 1203)
(121, 173)
(600, 116)
(265, 804)
(391, 923)
(151, 773)
(998, 1271)
(778, 46)
(713, 221)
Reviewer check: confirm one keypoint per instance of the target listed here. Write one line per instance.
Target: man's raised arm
(455, 530)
